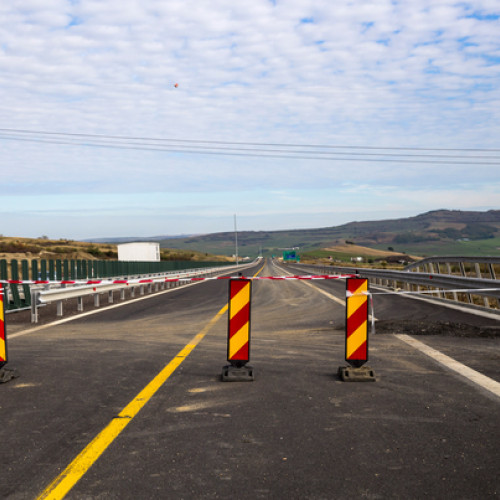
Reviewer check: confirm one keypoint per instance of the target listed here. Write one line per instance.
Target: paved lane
(295, 431)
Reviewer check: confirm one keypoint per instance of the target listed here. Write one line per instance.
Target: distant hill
(439, 232)
(133, 239)
(45, 248)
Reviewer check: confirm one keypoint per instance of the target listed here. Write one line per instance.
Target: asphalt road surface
(76, 423)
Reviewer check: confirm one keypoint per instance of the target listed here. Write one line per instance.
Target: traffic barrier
(133, 281)
(239, 305)
(6, 374)
(356, 332)
(238, 332)
(77, 288)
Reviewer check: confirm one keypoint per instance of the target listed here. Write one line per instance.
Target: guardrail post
(43, 272)
(90, 269)
(25, 273)
(448, 269)
(464, 274)
(437, 271)
(491, 269)
(238, 332)
(52, 270)
(479, 275)
(4, 275)
(14, 290)
(79, 304)
(34, 269)
(59, 273)
(35, 294)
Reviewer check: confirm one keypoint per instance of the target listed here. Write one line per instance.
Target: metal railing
(455, 285)
(58, 292)
(19, 295)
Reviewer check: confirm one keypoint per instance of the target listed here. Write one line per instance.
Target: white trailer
(139, 252)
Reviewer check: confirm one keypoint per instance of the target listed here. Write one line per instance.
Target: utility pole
(236, 239)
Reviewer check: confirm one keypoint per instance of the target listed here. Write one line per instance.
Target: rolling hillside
(439, 232)
(45, 248)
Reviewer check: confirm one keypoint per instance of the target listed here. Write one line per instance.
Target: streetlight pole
(236, 239)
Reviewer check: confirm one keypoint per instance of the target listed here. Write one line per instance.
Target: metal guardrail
(45, 295)
(19, 296)
(482, 268)
(473, 291)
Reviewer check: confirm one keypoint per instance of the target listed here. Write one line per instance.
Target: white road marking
(332, 297)
(440, 302)
(329, 295)
(474, 376)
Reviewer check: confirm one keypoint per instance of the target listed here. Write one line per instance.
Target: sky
(142, 118)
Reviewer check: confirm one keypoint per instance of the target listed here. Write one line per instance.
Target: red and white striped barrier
(168, 280)
(141, 281)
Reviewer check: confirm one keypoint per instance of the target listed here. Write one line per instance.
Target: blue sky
(410, 78)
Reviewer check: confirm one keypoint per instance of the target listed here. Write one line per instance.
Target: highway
(128, 402)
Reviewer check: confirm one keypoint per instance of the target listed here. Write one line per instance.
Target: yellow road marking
(65, 481)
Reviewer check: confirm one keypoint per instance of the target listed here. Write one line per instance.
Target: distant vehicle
(147, 251)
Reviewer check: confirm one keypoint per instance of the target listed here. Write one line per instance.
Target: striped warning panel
(356, 345)
(238, 343)
(3, 337)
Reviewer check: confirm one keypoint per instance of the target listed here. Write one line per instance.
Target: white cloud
(377, 73)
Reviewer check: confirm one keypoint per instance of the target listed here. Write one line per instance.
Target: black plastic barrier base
(232, 373)
(7, 374)
(359, 374)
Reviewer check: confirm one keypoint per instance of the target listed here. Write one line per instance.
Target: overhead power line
(458, 156)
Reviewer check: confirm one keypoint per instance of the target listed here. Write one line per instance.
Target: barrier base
(7, 374)
(361, 374)
(232, 373)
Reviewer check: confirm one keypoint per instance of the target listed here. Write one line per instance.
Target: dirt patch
(367, 252)
(437, 328)
(359, 250)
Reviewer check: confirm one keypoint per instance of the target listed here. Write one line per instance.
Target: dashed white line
(474, 376)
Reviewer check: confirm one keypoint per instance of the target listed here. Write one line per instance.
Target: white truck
(139, 252)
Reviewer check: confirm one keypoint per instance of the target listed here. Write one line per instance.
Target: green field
(336, 256)
(478, 248)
